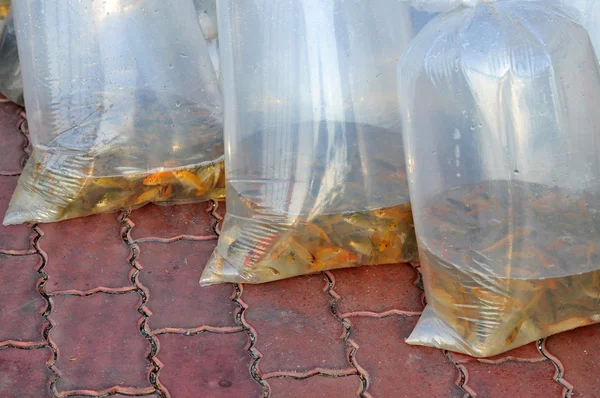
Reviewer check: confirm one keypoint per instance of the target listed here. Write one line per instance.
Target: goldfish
(358, 220)
(160, 178)
(151, 195)
(362, 246)
(508, 239)
(395, 214)
(315, 231)
(167, 192)
(112, 200)
(293, 250)
(514, 332)
(333, 257)
(112, 182)
(209, 174)
(190, 180)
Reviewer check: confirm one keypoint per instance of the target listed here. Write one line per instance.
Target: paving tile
(23, 373)
(171, 272)
(99, 342)
(22, 305)
(396, 369)
(578, 351)
(94, 256)
(315, 387)
(527, 353)
(377, 288)
(206, 365)
(167, 222)
(295, 328)
(513, 379)
(14, 237)
(10, 137)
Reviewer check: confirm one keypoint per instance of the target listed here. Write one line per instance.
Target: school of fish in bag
(11, 85)
(123, 106)
(500, 121)
(315, 171)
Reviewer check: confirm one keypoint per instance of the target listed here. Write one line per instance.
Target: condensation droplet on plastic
(516, 171)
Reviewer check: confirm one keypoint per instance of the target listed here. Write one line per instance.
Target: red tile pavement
(23, 373)
(319, 386)
(96, 256)
(377, 289)
(170, 222)
(577, 351)
(338, 334)
(296, 331)
(206, 365)
(21, 308)
(14, 237)
(513, 379)
(171, 273)
(12, 141)
(99, 342)
(394, 368)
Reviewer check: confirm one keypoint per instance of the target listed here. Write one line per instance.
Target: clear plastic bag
(11, 84)
(500, 127)
(124, 108)
(315, 168)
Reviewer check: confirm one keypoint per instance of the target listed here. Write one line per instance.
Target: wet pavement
(110, 305)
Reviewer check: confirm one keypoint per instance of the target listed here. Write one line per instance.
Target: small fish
(107, 182)
(394, 214)
(151, 195)
(160, 178)
(508, 239)
(330, 257)
(315, 231)
(190, 180)
(208, 174)
(362, 246)
(112, 200)
(166, 193)
(358, 220)
(512, 335)
(459, 204)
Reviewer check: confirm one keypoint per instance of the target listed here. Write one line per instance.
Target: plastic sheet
(316, 177)
(11, 84)
(124, 108)
(501, 136)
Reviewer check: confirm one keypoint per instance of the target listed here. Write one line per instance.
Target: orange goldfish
(151, 195)
(160, 178)
(190, 180)
(167, 192)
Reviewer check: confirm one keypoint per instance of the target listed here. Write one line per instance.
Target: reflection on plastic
(505, 179)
